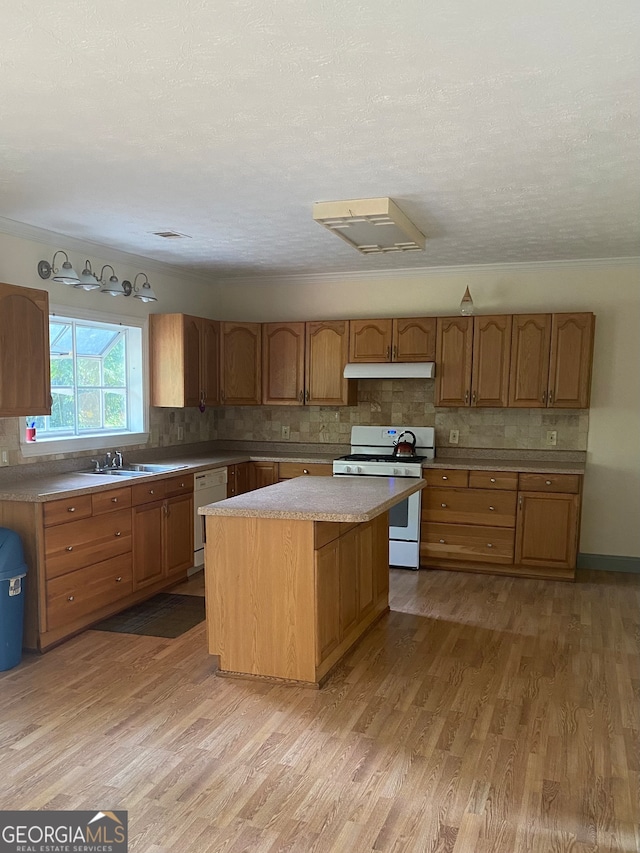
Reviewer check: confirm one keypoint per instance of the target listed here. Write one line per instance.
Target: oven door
(404, 519)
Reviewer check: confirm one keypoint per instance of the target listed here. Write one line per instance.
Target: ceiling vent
(170, 235)
(373, 226)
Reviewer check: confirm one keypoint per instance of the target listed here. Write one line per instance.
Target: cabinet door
(327, 581)
(571, 356)
(454, 349)
(240, 479)
(25, 383)
(491, 352)
(240, 364)
(264, 474)
(283, 364)
(547, 530)
(370, 340)
(210, 361)
(529, 373)
(365, 555)
(191, 376)
(178, 534)
(147, 544)
(414, 339)
(327, 349)
(348, 582)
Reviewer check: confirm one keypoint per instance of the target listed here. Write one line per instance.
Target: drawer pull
(117, 533)
(489, 545)
(151, 491)
(445, 478)
(491, 508)
(443, 505)
(547, 482)
(71, 509)
(71, 598)
(305, 470)
(182, 485)
(492, 479)
(119, 580)
(69, 547)
(114, 500)
(442, 542)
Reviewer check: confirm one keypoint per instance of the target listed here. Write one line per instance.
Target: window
(96, 384)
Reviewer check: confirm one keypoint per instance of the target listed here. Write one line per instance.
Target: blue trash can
(12, 574)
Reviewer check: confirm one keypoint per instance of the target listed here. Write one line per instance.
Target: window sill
(51, 446)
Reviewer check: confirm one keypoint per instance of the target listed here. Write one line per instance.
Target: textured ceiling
(508, 131)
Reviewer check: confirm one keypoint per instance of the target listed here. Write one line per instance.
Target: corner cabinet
(240, 364)
(25, 382)
(184, 360)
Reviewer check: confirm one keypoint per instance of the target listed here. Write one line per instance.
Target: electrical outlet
(454, 435)
(552, 437)
(4, 456)
(180, 433)
(285, 431)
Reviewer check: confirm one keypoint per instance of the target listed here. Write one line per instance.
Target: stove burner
(380, 457)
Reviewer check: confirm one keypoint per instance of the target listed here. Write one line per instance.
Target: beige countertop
(334, 499)
(488, 464)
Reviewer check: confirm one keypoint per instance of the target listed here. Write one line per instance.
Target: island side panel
(260, 596)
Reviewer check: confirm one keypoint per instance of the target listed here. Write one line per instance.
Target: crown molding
(425, 272)
(52, 238)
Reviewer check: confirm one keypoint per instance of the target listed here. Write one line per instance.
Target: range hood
(391, 370)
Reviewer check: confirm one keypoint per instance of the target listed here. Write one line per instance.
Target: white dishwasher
(209, 487)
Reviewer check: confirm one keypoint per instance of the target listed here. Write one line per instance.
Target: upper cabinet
(491, 359)
(184, 356)
(283, 364)
(240, 357)
(551, 360)
(454, 358)
(375, 341)
(326, 353)
(25, 381)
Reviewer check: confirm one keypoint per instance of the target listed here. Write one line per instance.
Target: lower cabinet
(501, 522)
(289, 470)
(239, 479)
(90, 556)
(264, 474)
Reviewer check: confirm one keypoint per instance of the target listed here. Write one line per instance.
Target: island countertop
(336, 499)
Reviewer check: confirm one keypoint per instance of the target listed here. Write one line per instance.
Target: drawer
(77, 594)
(113, 499)
(470, 506)
(301, 469)
(144, 493)
(445, 477)
(493, 480)
(182, 485)
(71, 546)
(467, 542)
(568, 483)
(69, 509)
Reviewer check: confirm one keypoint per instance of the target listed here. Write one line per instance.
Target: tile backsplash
(406, 402)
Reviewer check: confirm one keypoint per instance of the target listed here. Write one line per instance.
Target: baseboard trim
(609, 563)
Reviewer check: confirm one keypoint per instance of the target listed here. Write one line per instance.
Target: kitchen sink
(136, 470)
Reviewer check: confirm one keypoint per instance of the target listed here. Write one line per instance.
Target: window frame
(101, 441)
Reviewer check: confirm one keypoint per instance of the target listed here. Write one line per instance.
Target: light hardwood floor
(483, 714)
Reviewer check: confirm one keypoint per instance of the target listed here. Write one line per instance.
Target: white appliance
(209, 487)
(372, 455)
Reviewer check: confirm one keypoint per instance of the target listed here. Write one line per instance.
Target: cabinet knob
(492, 479)
(388, 353)
(547, 482)
(305, 470)
(71, 598)
(70, 548)
(442, 542)
(306, 396)
(466, 397)
(489, 545)
(114, 500)
(117, 533)
(491, 508)
(445, 478)
(473, 397)
(71, 509)
(119, 580)
(544, 396)
(152, 491)
(182, 485)
(442, 504)
(550, 400)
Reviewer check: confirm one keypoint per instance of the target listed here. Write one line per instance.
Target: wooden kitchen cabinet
(402, 340)
(283, 364)
(241, 360)
(147, 544)
(530, 350)
(288, 470)
(178, 534)
(570, 361)
(326, 353)
(239, 479)
(491, 360)
(547, 530)
(327, 590)
(184, 360)
(264, 474)
(454, 360)
(25, 381)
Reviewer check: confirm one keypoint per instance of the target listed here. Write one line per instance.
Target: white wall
(612, 486)
(611, 506)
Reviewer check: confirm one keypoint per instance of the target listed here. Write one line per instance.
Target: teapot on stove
(404, 448)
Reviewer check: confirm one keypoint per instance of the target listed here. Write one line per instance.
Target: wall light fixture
(89, 280)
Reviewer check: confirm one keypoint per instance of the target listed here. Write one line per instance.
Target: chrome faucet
(117, 462)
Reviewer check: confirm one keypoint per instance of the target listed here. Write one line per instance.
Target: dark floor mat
(164, 615)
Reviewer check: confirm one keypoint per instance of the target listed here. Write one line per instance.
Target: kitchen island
(296, 572)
